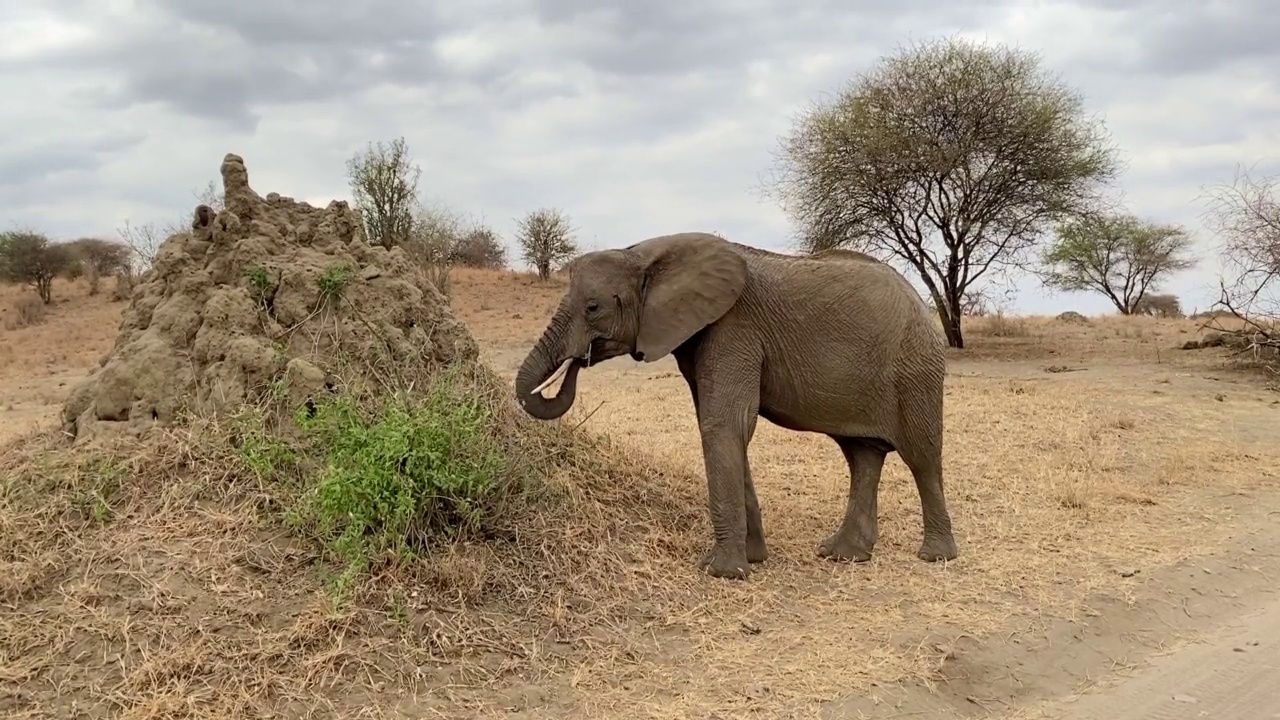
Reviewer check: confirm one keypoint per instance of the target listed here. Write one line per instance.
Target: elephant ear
(691, 280)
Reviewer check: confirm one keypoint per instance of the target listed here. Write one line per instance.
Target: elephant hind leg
(856, 537)
(925, 463)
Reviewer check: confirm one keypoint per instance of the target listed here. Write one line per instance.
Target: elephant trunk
(548, 357)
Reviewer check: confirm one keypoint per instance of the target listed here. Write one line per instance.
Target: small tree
(951, 159)
(546, 238)
(1118, 256)
(144, 242)
(30, 258)
(384, 185)
(431, 241)
(99, 258)
(210, 195)
(480, 247)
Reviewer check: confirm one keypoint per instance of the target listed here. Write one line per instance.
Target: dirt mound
(269, 289)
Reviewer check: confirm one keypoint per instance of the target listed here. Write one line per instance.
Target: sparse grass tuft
(1002, 326)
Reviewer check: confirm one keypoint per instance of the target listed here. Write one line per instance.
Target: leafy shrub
(479, 247)
(390, 480)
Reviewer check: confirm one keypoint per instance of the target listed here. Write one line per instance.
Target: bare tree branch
(1245, 214)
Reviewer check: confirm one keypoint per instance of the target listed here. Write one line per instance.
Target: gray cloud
(635, 121)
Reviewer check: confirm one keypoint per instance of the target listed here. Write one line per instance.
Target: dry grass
(77, 329)
(158, 585)
(120, 547)
(1054, 488)
(1105, 338)
(26, 311)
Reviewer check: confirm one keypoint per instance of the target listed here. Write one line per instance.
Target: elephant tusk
(559, 373)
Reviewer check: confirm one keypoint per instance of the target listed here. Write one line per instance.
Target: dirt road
(1236, 675)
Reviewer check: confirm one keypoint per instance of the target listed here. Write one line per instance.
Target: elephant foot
(843, 546)
(756, 550)
(723, 563)
(938, 547)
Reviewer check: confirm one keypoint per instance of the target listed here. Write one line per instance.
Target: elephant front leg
(757, 552)
(724, 451)
(856, 537)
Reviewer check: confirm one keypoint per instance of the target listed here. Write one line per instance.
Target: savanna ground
(1113, 496)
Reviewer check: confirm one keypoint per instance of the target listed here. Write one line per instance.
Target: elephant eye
(592, 306)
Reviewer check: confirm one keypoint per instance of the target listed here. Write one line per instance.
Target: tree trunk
(950, 323)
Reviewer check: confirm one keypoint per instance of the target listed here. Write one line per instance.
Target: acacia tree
(950, 158)
(546, 238)
(31, 259)
(1245, 214)
(384, 185)
(1116, 255)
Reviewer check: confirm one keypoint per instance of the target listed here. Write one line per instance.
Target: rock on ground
(267, 293)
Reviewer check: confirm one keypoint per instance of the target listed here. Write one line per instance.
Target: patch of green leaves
(383, 482)
(333, 281)
(259, 283)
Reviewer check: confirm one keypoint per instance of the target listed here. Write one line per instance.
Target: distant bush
(31, 259)
(479, 247)
(27, 310)
(1163, 306)
(124, 286)
(98, 258)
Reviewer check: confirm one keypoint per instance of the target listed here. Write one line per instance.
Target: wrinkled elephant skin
(836, 343)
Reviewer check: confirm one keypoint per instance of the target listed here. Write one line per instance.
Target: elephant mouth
(559, 373)
(598, 351)
(605, 349)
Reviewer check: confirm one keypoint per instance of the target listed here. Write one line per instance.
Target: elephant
(837, 343)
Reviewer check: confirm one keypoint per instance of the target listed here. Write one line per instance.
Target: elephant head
(643, 300)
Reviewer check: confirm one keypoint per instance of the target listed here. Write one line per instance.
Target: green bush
(388, 480)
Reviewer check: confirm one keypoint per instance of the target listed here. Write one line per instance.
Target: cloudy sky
(635, 121)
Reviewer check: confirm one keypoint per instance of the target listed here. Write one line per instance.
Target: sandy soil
(1115, 500)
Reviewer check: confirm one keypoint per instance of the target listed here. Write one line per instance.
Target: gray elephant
(836, 343)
